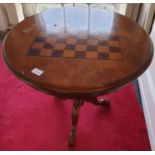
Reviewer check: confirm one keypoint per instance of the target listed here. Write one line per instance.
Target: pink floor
(31, 120)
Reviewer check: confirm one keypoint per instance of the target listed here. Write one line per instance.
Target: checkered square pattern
(82, 46)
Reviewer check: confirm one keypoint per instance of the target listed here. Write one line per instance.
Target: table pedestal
(75, 114)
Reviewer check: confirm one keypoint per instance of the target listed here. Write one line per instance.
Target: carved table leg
(75, 116)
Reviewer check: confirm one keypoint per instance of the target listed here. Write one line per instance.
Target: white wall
(15, 12)
(4, 22)
(29, 9)
(146, 15)
(147, 89)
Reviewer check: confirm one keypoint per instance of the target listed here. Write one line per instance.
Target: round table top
(77, 51)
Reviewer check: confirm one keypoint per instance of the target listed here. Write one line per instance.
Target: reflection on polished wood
(78, 53)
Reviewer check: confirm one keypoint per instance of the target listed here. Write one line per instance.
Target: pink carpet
(31, 120)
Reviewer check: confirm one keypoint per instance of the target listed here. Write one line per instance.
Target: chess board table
(78, 53)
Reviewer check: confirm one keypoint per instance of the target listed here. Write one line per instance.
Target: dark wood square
(91, 48)
(61, 40)
(79, 54)
(114, 49)
(91, 36)
(103, 46)
(72, 36)
(104, 56)
(34, 52)
(102, 42)
(113, 37)
(48, 45)
(70, 47)
(40, 39)
(57, 53)
(81, 41)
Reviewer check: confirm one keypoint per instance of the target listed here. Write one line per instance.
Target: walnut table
(78, 53)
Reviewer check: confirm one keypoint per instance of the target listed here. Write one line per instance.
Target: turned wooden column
(75, 116)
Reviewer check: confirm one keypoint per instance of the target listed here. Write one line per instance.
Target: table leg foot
(75, 115)
(72, 137)
(102, 102)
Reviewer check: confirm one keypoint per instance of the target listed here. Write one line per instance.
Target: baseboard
(147, 89)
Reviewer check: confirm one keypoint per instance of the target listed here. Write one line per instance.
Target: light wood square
(59, 46)
(43, 34)
(46, 52)
(115, 56)
(83, 36)
(50, 40)
(91, 55)
(37, 45)
(103, 37)
(71, 41)
(104, 49)
(69, 53)
(92, 42)
(114, 43)
(80, 48)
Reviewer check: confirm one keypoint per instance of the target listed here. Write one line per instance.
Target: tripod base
(75, 115)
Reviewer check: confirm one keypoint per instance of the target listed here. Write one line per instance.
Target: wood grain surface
(81, 51)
